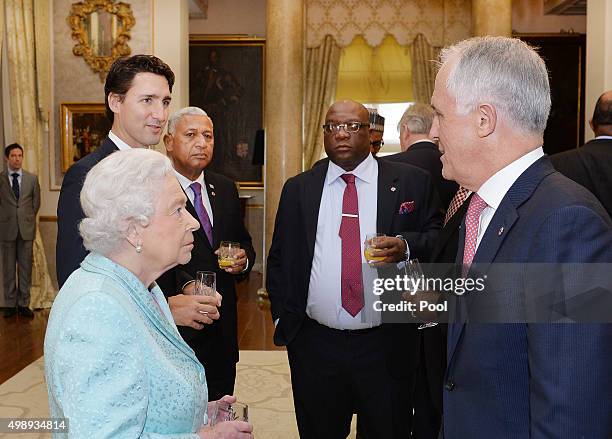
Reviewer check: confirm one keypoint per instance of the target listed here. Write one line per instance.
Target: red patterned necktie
(472, 219)
(460, 196)
(351, 280)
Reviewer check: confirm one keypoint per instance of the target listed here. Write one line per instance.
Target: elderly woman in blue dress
(115, 363)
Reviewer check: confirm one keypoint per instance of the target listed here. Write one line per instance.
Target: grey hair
(418, 117)
(505, 72)
(119, 192)
(174, 118)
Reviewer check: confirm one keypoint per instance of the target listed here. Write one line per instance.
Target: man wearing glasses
(341, 363)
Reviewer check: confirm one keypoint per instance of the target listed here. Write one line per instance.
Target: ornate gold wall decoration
(440, 21)
(102, 30)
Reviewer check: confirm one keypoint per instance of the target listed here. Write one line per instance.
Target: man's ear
(114, 100)
(405, 132)
(591, 124)
(487, 119)
(168, 142)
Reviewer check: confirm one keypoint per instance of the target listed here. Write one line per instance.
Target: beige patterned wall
(441, 21)
(73, 80)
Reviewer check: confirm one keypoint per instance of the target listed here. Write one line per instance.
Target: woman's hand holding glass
(226, 429)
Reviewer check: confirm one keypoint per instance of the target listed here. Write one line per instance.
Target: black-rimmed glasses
(349, 127)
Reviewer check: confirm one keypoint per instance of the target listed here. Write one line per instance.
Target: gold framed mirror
(102, 31)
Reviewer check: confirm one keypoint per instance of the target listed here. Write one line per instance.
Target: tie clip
(350, 215)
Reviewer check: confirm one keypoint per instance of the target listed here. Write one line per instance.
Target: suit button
(450, 385)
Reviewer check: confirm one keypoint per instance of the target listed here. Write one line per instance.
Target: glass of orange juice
(369, 245)
(228, 251)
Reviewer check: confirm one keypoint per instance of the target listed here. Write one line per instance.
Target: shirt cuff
(186, 283)
(407, 255)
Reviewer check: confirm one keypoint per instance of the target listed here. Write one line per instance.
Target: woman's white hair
(175, 117)
(118, 192)
(505, 72)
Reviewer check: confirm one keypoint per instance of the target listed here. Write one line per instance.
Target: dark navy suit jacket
(69, 250)
(539, 380)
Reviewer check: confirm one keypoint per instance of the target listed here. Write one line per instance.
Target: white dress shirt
(324, 293)
(495, 188)
(10, 173)
(121, 145)
(185, 183)
(603, 137)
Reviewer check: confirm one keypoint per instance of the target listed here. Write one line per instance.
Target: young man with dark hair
(19, 204)
(137, 98)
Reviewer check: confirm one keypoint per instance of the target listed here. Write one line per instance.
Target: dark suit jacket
(216, 346)
(426, 155)
(591, 167)
(69, 247)
(290, 257)
(537, 380)
(18, 218)
(434, 338)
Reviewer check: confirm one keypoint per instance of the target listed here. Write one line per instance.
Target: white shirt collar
(495, 188)
(185, 182)
(603, 137)
(422, 140)
(118, 142)
(365, 171)
(12, 171)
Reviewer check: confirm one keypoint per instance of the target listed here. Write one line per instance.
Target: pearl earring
(138, 248)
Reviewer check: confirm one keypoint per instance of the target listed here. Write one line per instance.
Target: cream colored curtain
(381, 74)
(424, 69)
(320, 89)
(441, 21)
(29, 70)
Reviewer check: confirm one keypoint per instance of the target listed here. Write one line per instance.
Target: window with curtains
(378, 77)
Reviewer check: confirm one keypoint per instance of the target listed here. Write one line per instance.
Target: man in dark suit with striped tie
(213, 200)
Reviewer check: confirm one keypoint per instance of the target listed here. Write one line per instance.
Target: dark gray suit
(17, 233)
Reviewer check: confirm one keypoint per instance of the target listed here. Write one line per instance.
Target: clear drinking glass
(206, 283)
(372, 238)
(228, 252)
(414, 271)
(229, 412)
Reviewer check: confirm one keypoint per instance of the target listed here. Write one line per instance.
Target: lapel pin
(212, 186)
(500, 231)
(213, 193)
(392, 188)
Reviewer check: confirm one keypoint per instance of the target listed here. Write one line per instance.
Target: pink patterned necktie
(201, 211)
(351, 281)
(460, 196)
(472, 219)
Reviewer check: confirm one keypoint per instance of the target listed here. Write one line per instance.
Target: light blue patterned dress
(115, 364)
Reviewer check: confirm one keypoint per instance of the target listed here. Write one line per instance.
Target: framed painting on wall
(226, 79)
(83, 128)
